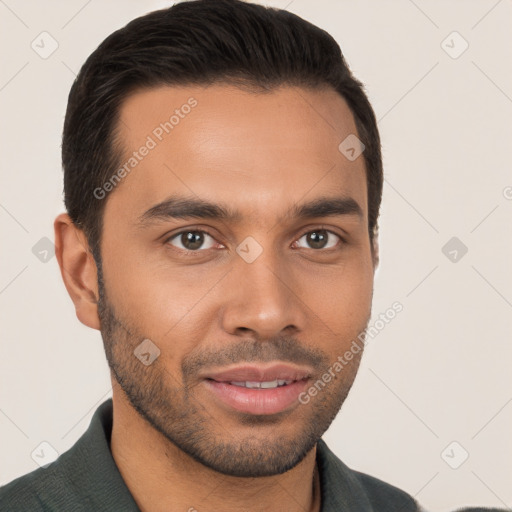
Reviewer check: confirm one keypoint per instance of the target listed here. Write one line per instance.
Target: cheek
(159, 302)
(342, 299)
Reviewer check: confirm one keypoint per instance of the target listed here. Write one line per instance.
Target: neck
(161, 477)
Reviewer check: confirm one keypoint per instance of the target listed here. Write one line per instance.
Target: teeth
(253, 385)
(240, 384)
(268, 385)
(262, 385)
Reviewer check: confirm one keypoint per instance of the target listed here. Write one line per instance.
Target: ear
(78, 269)
(375, 249)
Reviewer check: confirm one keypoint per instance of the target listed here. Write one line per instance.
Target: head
(217, 225)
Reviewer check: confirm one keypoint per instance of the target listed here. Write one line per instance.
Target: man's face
(268, 295)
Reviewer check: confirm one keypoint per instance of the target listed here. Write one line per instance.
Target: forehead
(259, 152)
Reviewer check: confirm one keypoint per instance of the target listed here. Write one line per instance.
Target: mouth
(269, 384)
(258, 389)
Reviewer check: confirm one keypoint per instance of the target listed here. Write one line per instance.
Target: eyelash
(199, 251)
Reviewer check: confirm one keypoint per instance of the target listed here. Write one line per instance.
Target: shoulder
(384, 496)
(64, 484)
(481, 509)
(31, 491)
(347, 489)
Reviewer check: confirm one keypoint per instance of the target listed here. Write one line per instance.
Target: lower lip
(258, 401)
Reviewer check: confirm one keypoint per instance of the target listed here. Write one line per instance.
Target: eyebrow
(179, 207)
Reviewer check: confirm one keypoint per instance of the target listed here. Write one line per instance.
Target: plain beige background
(438, 373)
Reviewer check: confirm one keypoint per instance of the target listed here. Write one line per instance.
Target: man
(222, 178)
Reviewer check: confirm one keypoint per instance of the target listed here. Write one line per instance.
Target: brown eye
(191, 240)
(319, 239)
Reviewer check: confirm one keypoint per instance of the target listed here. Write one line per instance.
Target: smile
(257, 389)
(262, 385)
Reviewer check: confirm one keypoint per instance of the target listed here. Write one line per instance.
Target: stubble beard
(174, 411)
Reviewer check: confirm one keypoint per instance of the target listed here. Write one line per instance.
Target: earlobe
(78, 269)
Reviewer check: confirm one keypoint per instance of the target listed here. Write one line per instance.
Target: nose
(263, 299)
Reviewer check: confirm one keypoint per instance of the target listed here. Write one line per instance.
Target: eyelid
(167, 236)
(319, 227)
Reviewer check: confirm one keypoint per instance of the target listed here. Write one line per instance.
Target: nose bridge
(262, 297)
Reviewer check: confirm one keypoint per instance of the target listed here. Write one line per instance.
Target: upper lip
(258, 373)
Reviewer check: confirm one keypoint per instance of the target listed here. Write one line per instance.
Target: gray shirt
(86, 478)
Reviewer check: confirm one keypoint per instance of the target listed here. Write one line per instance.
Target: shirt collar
(98, 473)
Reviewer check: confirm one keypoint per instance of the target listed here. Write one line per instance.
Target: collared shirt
(86, 479)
